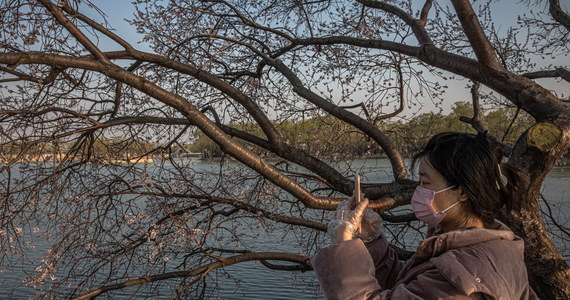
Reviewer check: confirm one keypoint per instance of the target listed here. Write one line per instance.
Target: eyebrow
(424, 174)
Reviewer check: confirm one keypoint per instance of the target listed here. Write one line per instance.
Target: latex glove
(371, 226)
(347, 221)
(344, 225)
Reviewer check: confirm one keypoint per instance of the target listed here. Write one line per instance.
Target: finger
(359, 210)
(341, 209)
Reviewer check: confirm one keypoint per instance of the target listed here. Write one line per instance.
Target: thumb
(359, 210)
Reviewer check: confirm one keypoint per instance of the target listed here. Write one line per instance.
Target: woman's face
(431, 179)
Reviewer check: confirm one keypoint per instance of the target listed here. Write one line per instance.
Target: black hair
(473, 163)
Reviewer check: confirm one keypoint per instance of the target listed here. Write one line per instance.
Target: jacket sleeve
(346, 271)
(386, 263)
(430, 285)
(351, 269)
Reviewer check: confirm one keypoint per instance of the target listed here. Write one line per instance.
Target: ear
(462, 195)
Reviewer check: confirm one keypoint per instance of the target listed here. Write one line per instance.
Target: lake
(252, 280)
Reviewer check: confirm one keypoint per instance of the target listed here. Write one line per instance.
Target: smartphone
(357, 196)
(357, 188)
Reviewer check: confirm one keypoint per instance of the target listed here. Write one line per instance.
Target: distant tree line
(321, 136)
(326, 136)
(100, 148)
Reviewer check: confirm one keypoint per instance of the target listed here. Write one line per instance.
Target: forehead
(427, 170)
(424, 165)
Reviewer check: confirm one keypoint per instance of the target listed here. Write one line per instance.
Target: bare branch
(558, 14)
(475, 121)
(361, 105)
(401, 95)
(192, 113)
(425, 12)
(21, 76)
(69, 10)
(417, 26)
(479, 42)
(559, 72)
(298, 87)
(247, 21)
(202, 270)
(81, 38)
(255, 111)
(245, 207)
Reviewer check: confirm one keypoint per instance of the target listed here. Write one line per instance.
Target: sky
(506, 13)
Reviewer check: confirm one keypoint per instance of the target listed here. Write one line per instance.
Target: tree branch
(523, 92)
(378, 197)
(202, 270)
(559, 72)
(297, 267)
(332, 177)
(475, 120)
(81, 38)
(250, 208)
(417, 26)
(425, 12)
(392, 194)
(22, 76)
(429, 54)
(476, 123)
(395, 157)
(479, 43)
(227, 145)
(558, 14)
(67, 8)
(400, 94)
(253, 109)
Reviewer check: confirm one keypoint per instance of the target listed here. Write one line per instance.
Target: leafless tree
(71, 85)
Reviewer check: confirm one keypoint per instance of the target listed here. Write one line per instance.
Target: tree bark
(548, 271)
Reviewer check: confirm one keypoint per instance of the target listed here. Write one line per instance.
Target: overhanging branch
(200, 271)
(558, 72)
(395, 157)
(558, 14)
(417, 26)
(474, 31)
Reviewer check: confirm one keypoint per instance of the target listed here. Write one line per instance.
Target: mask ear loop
(454, 204)
(445, 189)
(502, 177)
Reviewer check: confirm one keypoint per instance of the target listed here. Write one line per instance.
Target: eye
(423, 181)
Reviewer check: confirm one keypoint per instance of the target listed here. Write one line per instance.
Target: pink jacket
(462, 264)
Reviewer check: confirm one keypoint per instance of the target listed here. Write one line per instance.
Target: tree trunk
(548, 272)
(535, 155)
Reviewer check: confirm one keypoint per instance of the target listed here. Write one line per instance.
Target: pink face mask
(422, 204)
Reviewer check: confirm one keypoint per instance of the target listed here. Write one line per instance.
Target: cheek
(436, 203)
(442, 201)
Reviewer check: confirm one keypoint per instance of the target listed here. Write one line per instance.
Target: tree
(409, 136)
(220, 62)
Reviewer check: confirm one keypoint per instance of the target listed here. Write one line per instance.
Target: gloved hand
(371, 226)
(358, 222)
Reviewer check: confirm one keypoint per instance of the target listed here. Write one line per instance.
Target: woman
(467, 255)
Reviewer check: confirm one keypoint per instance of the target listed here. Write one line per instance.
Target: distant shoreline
(126, 159)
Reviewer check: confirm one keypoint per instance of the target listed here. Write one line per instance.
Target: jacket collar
(440, 242)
